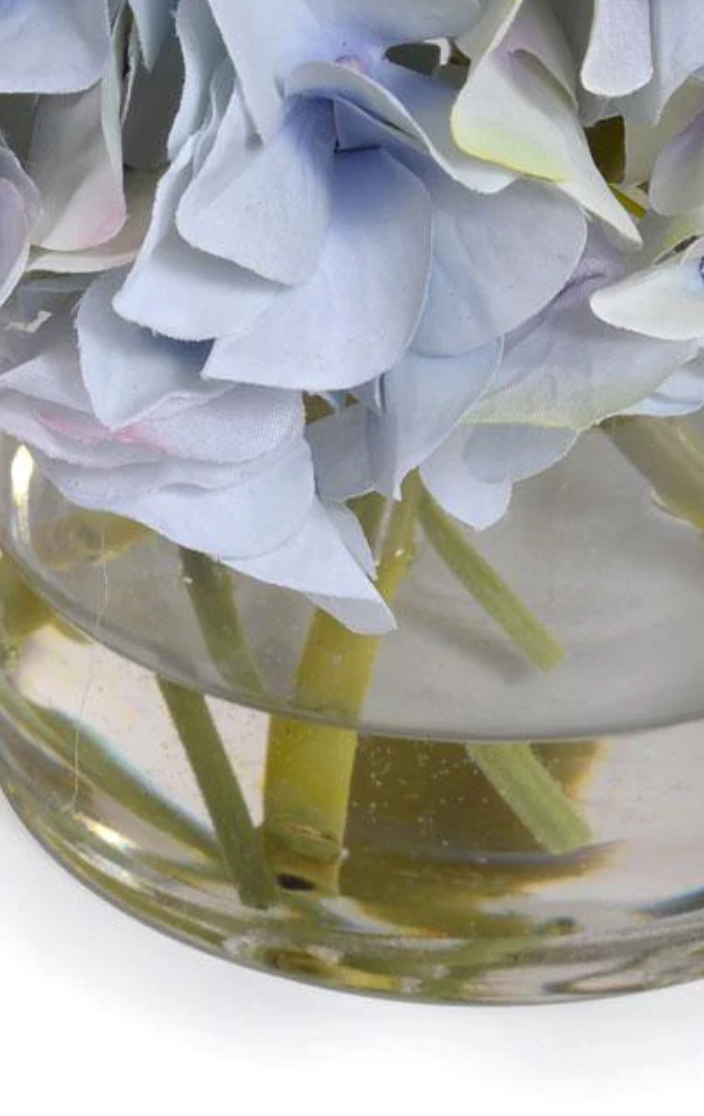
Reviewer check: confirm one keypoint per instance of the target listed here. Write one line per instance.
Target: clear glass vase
(481, 807)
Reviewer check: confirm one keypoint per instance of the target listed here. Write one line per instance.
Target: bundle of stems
(310, 767)
(310, 764)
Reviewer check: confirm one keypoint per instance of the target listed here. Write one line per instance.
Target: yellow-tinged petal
(515, 114)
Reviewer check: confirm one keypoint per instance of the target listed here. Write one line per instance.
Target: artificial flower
(518, 108)
(222, 468)
(398, 208)
(320, 257)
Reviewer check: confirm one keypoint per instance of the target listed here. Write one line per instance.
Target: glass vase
(499, 802)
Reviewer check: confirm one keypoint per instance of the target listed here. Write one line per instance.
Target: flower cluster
(463, 231)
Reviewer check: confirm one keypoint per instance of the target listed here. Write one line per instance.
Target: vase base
(558, 963)
(445, 889)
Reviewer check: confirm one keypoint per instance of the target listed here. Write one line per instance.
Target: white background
(100, 1015)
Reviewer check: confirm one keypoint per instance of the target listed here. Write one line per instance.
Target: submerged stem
(240, 843)
(534, 796)
(21, 612)
(489, 590)
(669, 455)
(309, 766)
(212, 595)
(60, 735)
(514, 771)
(370, 511)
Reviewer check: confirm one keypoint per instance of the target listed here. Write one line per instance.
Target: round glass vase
(499, 802)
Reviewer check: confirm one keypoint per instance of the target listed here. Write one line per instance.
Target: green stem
(533, 795)
(489, 590)
(62, 738)
(309, 766)
(239, 841)
(513, 770)
(370, 511)
(73, 744)
(21, 612)
(669, 455)
(211, 591)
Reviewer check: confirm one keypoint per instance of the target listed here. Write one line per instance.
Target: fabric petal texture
(259, 260)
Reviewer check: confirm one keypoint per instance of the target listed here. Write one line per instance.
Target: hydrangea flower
(560, 373)
(81, 212)
(429, 245)
(223, 468)
(519, 108)
(268, 43)
(357, 232)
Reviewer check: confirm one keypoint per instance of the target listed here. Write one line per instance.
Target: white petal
(400, 21)
(352, 534)
(665, 302)
(203, 53)
(115, 253)
(46, 367)
(252, 517)
(265, 42)
(678, 47)
(620, 55)
(682, 394)
(222, 424)
(52, 46)
(341, 455)
(14, 238)
(154, 20)
(500, 454)
(569, 369)
(645, 142)
(512, 113)
(416, 107)
(677, 185)
(76, 162)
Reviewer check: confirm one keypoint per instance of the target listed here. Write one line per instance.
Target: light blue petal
(357, 315)
(265, 207)
(506, 454)
(678, 52)
(154, 20)
(416, 107)
(449, 481)
(341, 454)
(317, 562)
(255, 515)
(499, 260)
(183, 293)
(129, 371)
(52, 46)
(424, 399)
